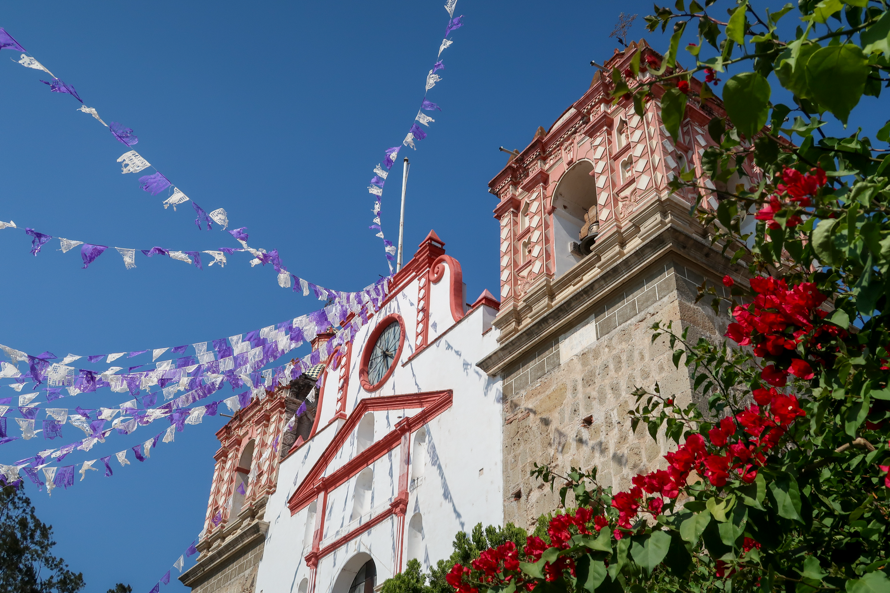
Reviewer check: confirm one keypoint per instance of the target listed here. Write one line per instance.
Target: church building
(431, 419)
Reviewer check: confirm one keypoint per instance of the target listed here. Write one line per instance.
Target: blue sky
(277, 112)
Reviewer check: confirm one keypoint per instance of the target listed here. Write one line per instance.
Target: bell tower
(594, 248)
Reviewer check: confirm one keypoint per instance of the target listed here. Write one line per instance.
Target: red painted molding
(487, 299)
(456, 289)
(369, 348)
(539, 178)
(352, 534)
(507, 205)
(431, 403)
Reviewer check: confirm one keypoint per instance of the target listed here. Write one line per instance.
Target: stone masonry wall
(238, 575)
(586, 375)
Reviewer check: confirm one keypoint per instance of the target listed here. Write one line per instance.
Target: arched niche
(358, 575)
(309, 531)
(364, 434)
(415, 538)
(574, 199)
(418, 455)
(242, 478)
(361, 496)
(304, 586)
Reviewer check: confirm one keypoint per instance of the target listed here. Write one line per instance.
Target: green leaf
(590, 573)
(774, 17)
(836, 76)
(673, 107)
(746, 98)
(873, 582)
(822, 238)
(536, 569)
(670, 58)
(884, 133)
(840, 318)
(753, 494)
(733, 529)
(877, 37)
(812, 569)
(692, 528)
(791, 70)
(823, 11)
(678, 558)
(786, 493)
(648, 552)
(719, 507)
(856, 3)
(735, 30)
(855, 415)
(635, 63)
(623, 549)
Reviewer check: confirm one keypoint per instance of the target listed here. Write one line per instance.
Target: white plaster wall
(462, 481)
(440, 305)
(565, 230)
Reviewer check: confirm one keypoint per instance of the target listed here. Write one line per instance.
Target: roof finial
(624, 24)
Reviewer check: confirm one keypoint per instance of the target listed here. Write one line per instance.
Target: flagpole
(405, 166)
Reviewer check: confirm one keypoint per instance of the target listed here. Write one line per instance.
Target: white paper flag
(87, 465)
(377, 191)
(284, 279)
(50, 473)
(112, 357)
(71, 358)
(26, 399)
(68, 245)
(92, 112)
(179, 256)
(57, 414)
(176, 199)
(179, 563)
(220, 217)
(132, 162)
(196, 415)
(380, 172)
(157, 353)
(409, 141)
(218, 258)
(446, 43)
(170, 434)
(7, 225)
(122, 458)
(432, 79)
(424, 119)
(231, 402)
(449, 6)
(27, 427)
(129, 256)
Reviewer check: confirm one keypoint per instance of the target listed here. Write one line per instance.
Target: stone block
(552, 361)
(646, 299)
(626, 313)
(694, 277)
(537, 371)
(606, 326)
(520, 382)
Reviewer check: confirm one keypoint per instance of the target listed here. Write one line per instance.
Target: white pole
(405, 166)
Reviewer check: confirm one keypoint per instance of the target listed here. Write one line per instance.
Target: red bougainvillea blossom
(799, 189)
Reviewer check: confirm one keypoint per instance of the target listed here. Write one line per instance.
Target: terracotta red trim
(439, 337)
(355, 532)
(456, 288)
(508, 205)
(431, 403)
(382, 325)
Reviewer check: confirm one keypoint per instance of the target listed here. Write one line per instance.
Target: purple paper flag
(454, 24)
(240, 490)
(38, 241)
(57, 86)
(154, 183)
(149, 399)
(196, 257)
(211, 408)
(64, 477)
(417, 132)
(96, 427)
(108, 472)
(89, 253)
(217, 518)
(377, 181)
(29, 413)
(202, 217)
(155, 251)
(3, 432)
(137, 353)
(430, 106)
(124, 135)
(390, 155)
(138, 451)
(302, 409)
(275, 444)
(229, 250)
(177, 349)
(7, 42)
(239, 234)
(156, 588)
(96, 357)
(33, 476)
(244, 399)
(438, 66)
(166, 578)
(192, 550)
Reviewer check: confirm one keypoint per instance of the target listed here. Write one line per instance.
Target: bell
(589, 239)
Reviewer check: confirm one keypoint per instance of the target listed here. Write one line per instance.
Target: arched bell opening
(575, 216)
(242, 478)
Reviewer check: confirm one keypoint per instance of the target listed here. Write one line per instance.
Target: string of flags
(416, 133)
(154, 183)
(179, 564)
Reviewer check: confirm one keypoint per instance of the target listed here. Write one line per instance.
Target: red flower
(669, 401)
(728, 282)
(768, 212)
(655, 505)
(886, 470)
(711, 76)
(651, 61)
(618, 534)
(801, 187)
(736, 332)
(717, 469)
(764, 396)
(628, 73)
(627, 503)
(786, 409)
(801, 369)
(599, 522)
(534, 547)
(720, 569)
(749, 544)
(683, 86)
(773, 376)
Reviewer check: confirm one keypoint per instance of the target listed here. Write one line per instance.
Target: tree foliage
(783, 483)
(27, 564)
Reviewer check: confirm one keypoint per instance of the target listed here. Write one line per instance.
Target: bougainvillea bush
(783, 483)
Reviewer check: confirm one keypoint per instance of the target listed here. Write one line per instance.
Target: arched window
(574, 201)
(626, 170)
(415, 538)
(242, 479)
(621, 134)
(418, 456)
(524, 250)
(304, 586)
(364, 434)
(523, 217)
(309, 532)
(361, 497)
(682, 162)
(365, 579)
